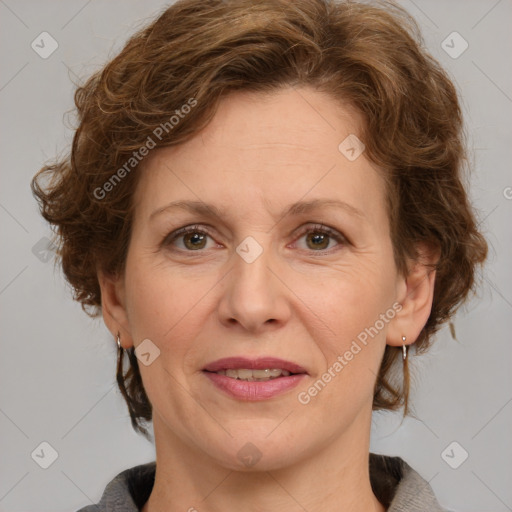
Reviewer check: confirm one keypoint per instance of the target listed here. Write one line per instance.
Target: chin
(248, 453)
(255, 460)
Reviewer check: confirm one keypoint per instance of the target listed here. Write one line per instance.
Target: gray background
(57, 366)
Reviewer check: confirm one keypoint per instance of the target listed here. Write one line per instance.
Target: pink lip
(229, 363)
(253, 391)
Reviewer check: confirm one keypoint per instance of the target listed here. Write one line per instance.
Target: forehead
(265, 148)
(289, 120)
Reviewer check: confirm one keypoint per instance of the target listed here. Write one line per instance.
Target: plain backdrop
(57, 366)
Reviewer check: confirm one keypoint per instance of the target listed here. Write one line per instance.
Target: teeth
(254, 375)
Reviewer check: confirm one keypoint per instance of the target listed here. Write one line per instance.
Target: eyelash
(317, 228)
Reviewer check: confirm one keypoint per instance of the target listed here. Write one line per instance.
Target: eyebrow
(297, 208)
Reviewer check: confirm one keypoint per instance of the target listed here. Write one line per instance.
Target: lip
(230, 363)
(255, 390)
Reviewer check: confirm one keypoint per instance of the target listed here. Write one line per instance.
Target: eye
(318, 237)
(193, 238)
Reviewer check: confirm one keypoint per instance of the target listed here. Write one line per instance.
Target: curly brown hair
(195, 53)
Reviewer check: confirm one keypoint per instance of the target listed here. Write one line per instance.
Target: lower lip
(255, 390)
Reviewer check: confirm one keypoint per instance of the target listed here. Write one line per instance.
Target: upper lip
(260, 363)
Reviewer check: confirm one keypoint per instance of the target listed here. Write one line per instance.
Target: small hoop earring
(119, 367)
(404, 348)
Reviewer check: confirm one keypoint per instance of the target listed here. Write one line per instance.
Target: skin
(295, 301)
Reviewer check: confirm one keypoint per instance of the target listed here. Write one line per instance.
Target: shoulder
(396, 484)
(399, 487)
(128, 491)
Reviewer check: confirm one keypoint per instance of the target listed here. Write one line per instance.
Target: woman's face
(256, 280)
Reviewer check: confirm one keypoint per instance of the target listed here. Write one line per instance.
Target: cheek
(352, 297)
(352, 309)
(164, 305)
(150, 296)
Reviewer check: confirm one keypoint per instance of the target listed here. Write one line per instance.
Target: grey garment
(414, 494)
(399, 487)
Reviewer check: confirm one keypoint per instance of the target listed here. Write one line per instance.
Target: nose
(255, 297)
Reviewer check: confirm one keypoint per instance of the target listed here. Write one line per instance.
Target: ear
(415, 294)
(113, 307)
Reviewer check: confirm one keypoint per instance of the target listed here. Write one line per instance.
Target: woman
(264, 202)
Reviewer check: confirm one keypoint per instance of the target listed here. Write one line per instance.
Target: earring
(119, 371)
(404, 347)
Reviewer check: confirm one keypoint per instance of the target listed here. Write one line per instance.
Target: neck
(336, 478)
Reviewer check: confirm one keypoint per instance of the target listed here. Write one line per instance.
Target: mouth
(254, 375)
(254, 379)
(261, 369)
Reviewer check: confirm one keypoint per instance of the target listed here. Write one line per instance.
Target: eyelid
(322, 228)
(299, 233)
(177, 233)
